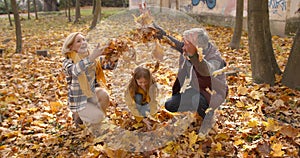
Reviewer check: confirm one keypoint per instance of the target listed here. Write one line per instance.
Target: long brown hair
(138, 73)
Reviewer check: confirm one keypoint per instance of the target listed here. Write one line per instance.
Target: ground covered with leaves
(257, 120)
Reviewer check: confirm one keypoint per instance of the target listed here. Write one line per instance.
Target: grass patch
(48, 31)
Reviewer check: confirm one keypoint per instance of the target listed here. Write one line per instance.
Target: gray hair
(197, 36)
(68, 42)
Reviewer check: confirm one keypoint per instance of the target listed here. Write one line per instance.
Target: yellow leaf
(200, 53)
(238, 142)
(11, 99)
(192, 138)
(222, 136)
(208, 110)
(35, 146)
(242, 90)
(252, 123)
(272, 125)
(138, 125)
(240, 104)
(2, 147)
(11, 134)
(33, 109)
(218, 147)
(169, 147)
(277, 152)
(54, 106)
(211, 92)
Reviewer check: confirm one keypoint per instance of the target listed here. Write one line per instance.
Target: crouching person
(83, 72)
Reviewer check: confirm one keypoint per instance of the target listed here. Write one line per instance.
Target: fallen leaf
(277, 150)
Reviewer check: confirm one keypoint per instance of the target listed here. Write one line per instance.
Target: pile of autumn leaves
(255, 120)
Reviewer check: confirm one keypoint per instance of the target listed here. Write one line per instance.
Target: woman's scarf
(146, 97)
(82, 78)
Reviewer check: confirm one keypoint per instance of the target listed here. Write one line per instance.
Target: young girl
(83, 72)
(141, 92)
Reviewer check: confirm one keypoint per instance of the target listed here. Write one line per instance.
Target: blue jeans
(190, 100)
(142, 108)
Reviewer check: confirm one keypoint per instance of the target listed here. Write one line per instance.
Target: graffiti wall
(277, 9)
(280, 11)
(224, 7)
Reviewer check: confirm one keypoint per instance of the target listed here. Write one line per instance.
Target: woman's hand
(98, 52)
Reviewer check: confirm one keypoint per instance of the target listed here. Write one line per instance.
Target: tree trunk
(8, 13)
(170, 4)
(268, 37)
(97, 14)
(177, 5)
(160, 6)
(77, 11)
(261, 63)
(50, 5)
(66, 7)
(291, 75)
(28, 9)
(17, 26)
(124, 3)
(69, 10)
(94, 7)
(35, 10)
(236, 38)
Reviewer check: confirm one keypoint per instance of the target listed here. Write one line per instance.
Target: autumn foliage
(257, 120)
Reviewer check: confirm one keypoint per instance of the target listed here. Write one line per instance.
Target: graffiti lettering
(187, 8)
(275, 4)
(209, 3)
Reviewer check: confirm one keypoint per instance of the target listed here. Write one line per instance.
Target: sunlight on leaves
(277, 150)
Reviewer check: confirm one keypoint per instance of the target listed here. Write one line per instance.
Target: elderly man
(198, 61)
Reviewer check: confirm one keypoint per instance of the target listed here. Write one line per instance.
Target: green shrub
(2, 6)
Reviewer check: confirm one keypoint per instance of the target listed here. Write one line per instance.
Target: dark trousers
(190, 100)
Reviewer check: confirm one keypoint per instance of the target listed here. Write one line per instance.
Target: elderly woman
(198, 61)
(83, 73)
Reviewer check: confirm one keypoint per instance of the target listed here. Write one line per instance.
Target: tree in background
(35, 9)
(77, 11)
(291, 75)
(263, 62)
(17, 26)
(69, 10)
(259, 37)
(268, 38)
(94, 7)
(160, 5)
(236, 38)
(97, 14)
(8, 12)
(51, 5)
(28, 9)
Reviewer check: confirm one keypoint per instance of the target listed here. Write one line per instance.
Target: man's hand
(159, 31)
(188, 48)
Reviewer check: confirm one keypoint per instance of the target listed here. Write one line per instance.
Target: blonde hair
(68, 42)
